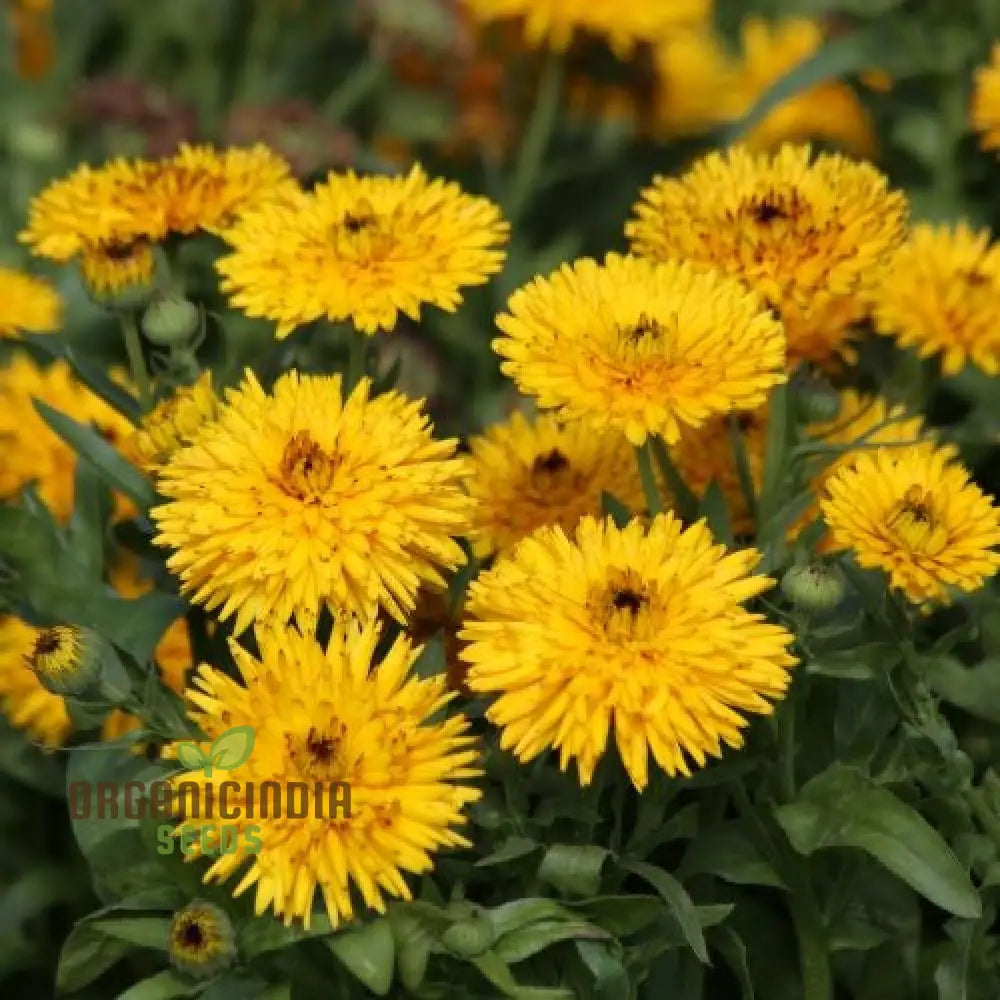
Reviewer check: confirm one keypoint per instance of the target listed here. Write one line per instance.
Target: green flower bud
(170, 320)
(470, 937)
(67, 659)
(816, 401)
(202, 942)
(815, 587)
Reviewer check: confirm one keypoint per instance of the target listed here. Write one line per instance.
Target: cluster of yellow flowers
(311, 497)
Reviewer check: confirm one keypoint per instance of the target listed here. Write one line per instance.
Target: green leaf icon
(191, 756)
(232, 748)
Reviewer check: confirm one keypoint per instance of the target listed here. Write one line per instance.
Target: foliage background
(724, 879)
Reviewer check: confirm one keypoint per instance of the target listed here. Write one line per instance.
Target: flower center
(628, 600)
(622, 606)
(47, 642)
(193, 935)
(554, 462)
(321, 756)
(915, 523)
(306, 470)
(645, 326)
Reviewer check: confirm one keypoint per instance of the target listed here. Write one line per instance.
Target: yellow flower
(644, 633)
(639, 347)
(830, 111)
(66, 658)
(914, 513)
(32, 452)
(293, 501)
(27, 305)
(110, 268)
(205, 188)
(362, 248)
(624, 25)
(942, 296)
(127, 204)
(813, 237)
(321, 718)
(25, 702)
(695, 77)
(528, 474)
(705, 454)
(172, 424)
(985, 109)
(95, 207)
(202, 941)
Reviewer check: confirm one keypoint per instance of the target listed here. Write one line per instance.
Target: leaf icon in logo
(191, 756)
(231, 749)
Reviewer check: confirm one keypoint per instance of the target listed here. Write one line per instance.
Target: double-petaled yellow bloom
(27, 305)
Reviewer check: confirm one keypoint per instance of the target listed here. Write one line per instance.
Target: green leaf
(91, 447)
(496, 971)
(573, 870)
(684, 500)
(192, 756)
(731, 947)
(610, 978)
(775, 458)
(727, 851)
(166, 985)
(86, 954)
(612, 507)
(620, 915)
(265, 934)
(139, 931)
(368, 953)
(527, 941)
(519, 913)
(232, 748)
(975, 690)
(843, 808)
(714, 510)
(510, 850)
(413, 940)
(678, 901)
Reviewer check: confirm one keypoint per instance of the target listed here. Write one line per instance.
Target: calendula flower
(66, 658)
(813, 237)
(172, 424)
(383, 785)
(942, 297)
(364, 249)
(103, 206)
(830, 111)
(985, 109)
(640, 632)
(623, 25)
(694, 84)
(110, 269)
(525, 474)
(707, 454)
(296, 500)
(27, 305)
(202, 940)
(914, 513)
(639, 347)
(32, 452)
(25, 702)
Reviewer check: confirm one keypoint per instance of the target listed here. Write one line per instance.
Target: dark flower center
(645, 326)
(357, 223)
(47, 643)
(627, 600)
(322, 748)
(306, 470)
(193, 935)
(554, 461)
(767, 211)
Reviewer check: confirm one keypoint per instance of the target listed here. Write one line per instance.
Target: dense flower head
(623, 25)
(942, 297)
(110, 268)
(640, 347)
(812, 236)
(296, 499)
(32, 451)
(985, 109)
(325, 716)
(640, 631)
(830, 111)
(202, 940)
(27, 304)
(125, 201)
(528, 473)
(914, 513)
(25, 702)
(364, 249)
(173, 423)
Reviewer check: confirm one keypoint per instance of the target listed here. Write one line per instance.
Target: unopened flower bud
(170, 320)
(815, 587)
(66, 659)
(202, 942)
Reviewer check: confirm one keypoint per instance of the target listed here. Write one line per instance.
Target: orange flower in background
(31, 27)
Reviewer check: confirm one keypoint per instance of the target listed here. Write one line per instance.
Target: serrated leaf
(232, 748)
(843, 808)
(92, 448)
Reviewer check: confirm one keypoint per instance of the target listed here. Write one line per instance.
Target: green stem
(536, 138)
(644, 458)
(136, 361)
(358, 85)
(814, 957)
